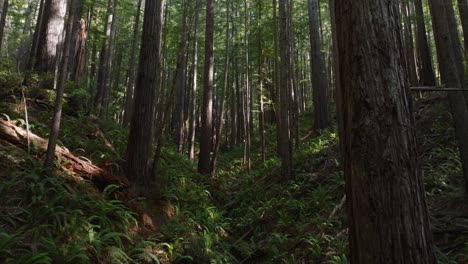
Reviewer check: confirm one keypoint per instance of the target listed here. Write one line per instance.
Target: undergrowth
(47, 219)
(239, 216)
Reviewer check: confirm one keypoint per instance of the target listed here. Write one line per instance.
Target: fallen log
(72, 164)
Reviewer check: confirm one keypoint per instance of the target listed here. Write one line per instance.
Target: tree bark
(180, 82)
(463, 9)
(319, 72)
(285, 90)
(387, 212)
(409, 43)
(103, 85)
(207, 109)
(193, 102)
(3, 16)
(49, 35)
(79, 27)
(129, 95)
(424, 58)
(140, 142)
(219, 122)
(35, 41)
(80, 57)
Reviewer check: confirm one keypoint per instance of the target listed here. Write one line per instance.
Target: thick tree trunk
(285, 90)
(319, 72)
(449, 63)
(3, 16)
(129, 95)
(388, 218)
(424, 59)
(207, 109)
(49, 35)
(140, 142)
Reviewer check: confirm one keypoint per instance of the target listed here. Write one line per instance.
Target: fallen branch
(436, 89)
(73, 165)
(338, 207)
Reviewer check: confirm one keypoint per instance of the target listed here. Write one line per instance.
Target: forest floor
(66, 216)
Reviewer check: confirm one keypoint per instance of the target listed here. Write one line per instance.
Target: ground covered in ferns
(238, 217)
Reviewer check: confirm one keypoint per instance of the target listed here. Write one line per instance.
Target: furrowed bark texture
(388, 219)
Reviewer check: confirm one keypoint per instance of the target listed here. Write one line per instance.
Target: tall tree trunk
(81, 51)
(336, 62)
(248, 99)
(103, 85)
(3, 16)
(140, 142)
(319, 72)
(285, 90)
(180, 82)
(455, 40)
(276, 91)
(409, 44)
(424, 59)
(260, 81)
(35, 41)
(463, 9)
(131, 70)
(53, 137)
(387, 212)
(219, 122)
(449, 60)
(78, 26)
(193, 102)
(49, 35)
(207, 109)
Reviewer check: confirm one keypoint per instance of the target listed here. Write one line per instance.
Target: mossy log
(76, 166)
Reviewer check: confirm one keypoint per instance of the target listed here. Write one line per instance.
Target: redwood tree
(204, 158)
(140, 140)
(285, 144)
(388, 218)
(424, 62)
(49, 36)
(319, 71)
